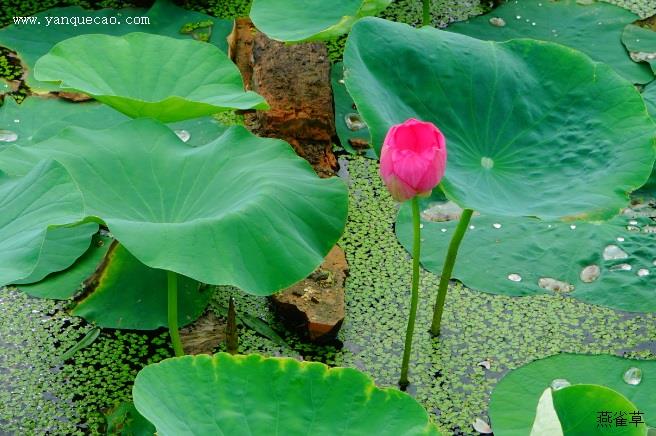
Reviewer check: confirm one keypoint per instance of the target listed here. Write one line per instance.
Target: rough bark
(295, 81)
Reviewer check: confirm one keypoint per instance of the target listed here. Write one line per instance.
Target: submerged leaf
(87, 340)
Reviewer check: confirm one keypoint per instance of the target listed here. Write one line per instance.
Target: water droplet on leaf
(487, 163)
(620, 267)
(442, 212)
(590, 273)
(8, 136)
(514, 277)
(633, 376)
(184, 135)
(560, 383)
(554, 285)
(612, 252)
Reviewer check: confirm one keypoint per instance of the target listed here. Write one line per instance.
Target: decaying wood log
(295, 81)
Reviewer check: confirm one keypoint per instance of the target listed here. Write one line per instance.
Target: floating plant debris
(497, 21)
(354, 121)
(554, 285)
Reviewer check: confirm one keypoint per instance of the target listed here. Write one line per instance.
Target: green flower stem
(426, 21)
(172, 279)
(403, 381)
(450, 260)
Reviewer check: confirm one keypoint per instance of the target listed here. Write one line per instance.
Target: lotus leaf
(61, 247)
(595, 29)
(649, 94)
(641, 43)
(308, 20)
(130, 74)
(65, 284)
(240, 210)
(504, 108)
(347, 118)
(126, 294)
(31, 41)
(227, 394)
(514, 401)
(578, 409)
(46, 197)
(37, 119)
(526, 256)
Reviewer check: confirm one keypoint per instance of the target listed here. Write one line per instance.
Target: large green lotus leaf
(124, 293)
(31, 41)
(649, 94)
(61, 247)
(595, 29)
(526, 135)
(514, 401)
(65, 284)
(240, 210)
(523, 256)
(168, 19)
(130, 74)
(309, 20)
(641, 43)
(231, 395)
(578, 409)
(43, 199)
(37, 119)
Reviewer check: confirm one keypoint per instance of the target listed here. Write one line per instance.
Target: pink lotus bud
(413, 159)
